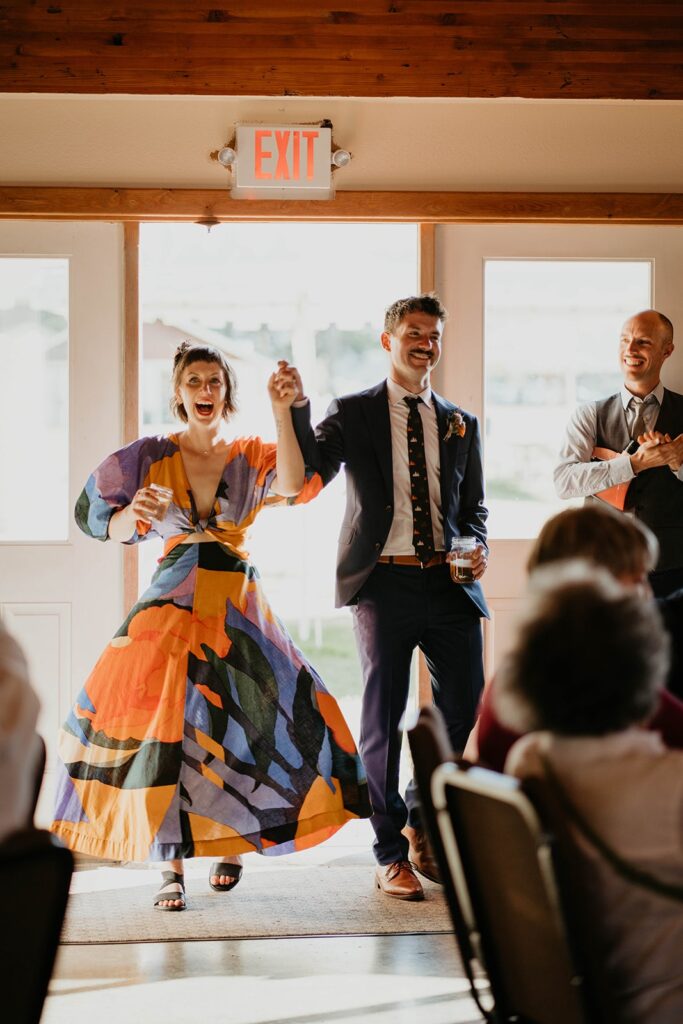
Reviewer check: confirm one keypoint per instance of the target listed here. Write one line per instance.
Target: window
(551, 334)
(34, 420)
(313, 294)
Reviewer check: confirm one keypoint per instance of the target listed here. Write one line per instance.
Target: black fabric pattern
(423, 534)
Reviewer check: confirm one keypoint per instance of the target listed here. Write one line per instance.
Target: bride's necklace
(199, 451)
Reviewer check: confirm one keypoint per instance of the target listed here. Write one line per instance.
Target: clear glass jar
(460, 559)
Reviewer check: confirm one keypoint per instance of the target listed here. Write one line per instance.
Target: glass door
(313, 294)
(60, 345)
(536, 313)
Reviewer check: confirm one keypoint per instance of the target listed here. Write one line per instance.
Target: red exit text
(282, 155)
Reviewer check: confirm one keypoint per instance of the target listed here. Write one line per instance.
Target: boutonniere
(455, 425)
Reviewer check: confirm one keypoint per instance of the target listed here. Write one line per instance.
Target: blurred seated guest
(584, 673)
(21, 749)
(628, 550)
(671, 608)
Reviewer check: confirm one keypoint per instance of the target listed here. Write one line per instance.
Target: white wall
(475, 145)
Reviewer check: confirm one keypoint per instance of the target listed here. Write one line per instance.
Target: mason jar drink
(460, 559)
(163, 496)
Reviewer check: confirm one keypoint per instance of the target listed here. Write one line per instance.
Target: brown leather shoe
(398, 880)
(420, 854)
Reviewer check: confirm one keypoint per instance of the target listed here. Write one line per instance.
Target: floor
(342, 979)
(263, 981)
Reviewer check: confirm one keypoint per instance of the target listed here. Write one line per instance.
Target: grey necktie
(641, 407)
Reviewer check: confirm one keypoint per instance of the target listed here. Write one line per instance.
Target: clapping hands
(658, 449)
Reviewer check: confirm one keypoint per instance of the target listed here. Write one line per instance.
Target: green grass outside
(336, 660)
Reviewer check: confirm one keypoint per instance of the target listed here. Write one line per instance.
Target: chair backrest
(35, 872)
(501, 864)
(430, 748)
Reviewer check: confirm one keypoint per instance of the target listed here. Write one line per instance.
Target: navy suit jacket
(357, 432)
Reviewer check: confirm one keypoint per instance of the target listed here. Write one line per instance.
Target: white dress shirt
(400, 539)
(575, 475)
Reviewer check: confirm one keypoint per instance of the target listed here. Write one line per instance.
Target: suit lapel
(447, 450)
(376, 409)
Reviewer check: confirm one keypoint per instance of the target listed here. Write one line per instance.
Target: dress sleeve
(495, 739)
(264, 456)
(112, 486)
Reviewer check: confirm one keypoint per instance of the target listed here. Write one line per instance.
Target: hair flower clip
(455, 426)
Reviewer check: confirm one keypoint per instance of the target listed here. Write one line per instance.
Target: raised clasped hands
(658, 449)
(284, 386)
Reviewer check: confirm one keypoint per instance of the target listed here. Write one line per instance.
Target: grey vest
(655, 496)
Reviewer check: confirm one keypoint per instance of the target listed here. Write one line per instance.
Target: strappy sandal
(233, 871)
(166, 893)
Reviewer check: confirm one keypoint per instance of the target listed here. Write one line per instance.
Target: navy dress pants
(401, 607)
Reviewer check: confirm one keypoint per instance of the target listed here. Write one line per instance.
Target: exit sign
(290, 161)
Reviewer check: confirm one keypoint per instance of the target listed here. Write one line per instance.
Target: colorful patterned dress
(202, 730)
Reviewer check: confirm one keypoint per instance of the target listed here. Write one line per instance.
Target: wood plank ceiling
(422, 48)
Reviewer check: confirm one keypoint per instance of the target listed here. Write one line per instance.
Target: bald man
(642, 425)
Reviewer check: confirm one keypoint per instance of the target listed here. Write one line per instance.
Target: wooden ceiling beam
(374, 48)
(355, 47)
(148, 204)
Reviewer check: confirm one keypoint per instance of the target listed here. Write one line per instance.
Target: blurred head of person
(599, 534)
(589, 656)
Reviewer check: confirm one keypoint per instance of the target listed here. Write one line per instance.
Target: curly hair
(428, 303)
(185, 355)
(589, 656)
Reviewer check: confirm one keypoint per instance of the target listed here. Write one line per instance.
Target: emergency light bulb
(227, 156)
(340, 158)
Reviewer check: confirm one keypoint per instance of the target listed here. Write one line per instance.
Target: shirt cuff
(300, 404)
(621, 470)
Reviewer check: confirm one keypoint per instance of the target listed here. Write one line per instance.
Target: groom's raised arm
(322, 448)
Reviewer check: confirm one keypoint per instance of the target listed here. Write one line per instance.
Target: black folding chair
(430, 747)
(500, 860)
(35, 873)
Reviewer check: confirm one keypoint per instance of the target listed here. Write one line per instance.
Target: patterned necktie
(640, 406)
(423, 536)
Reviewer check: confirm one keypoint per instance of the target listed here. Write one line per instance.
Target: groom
(413, 482)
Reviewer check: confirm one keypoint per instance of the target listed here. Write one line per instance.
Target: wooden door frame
(132, 361)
